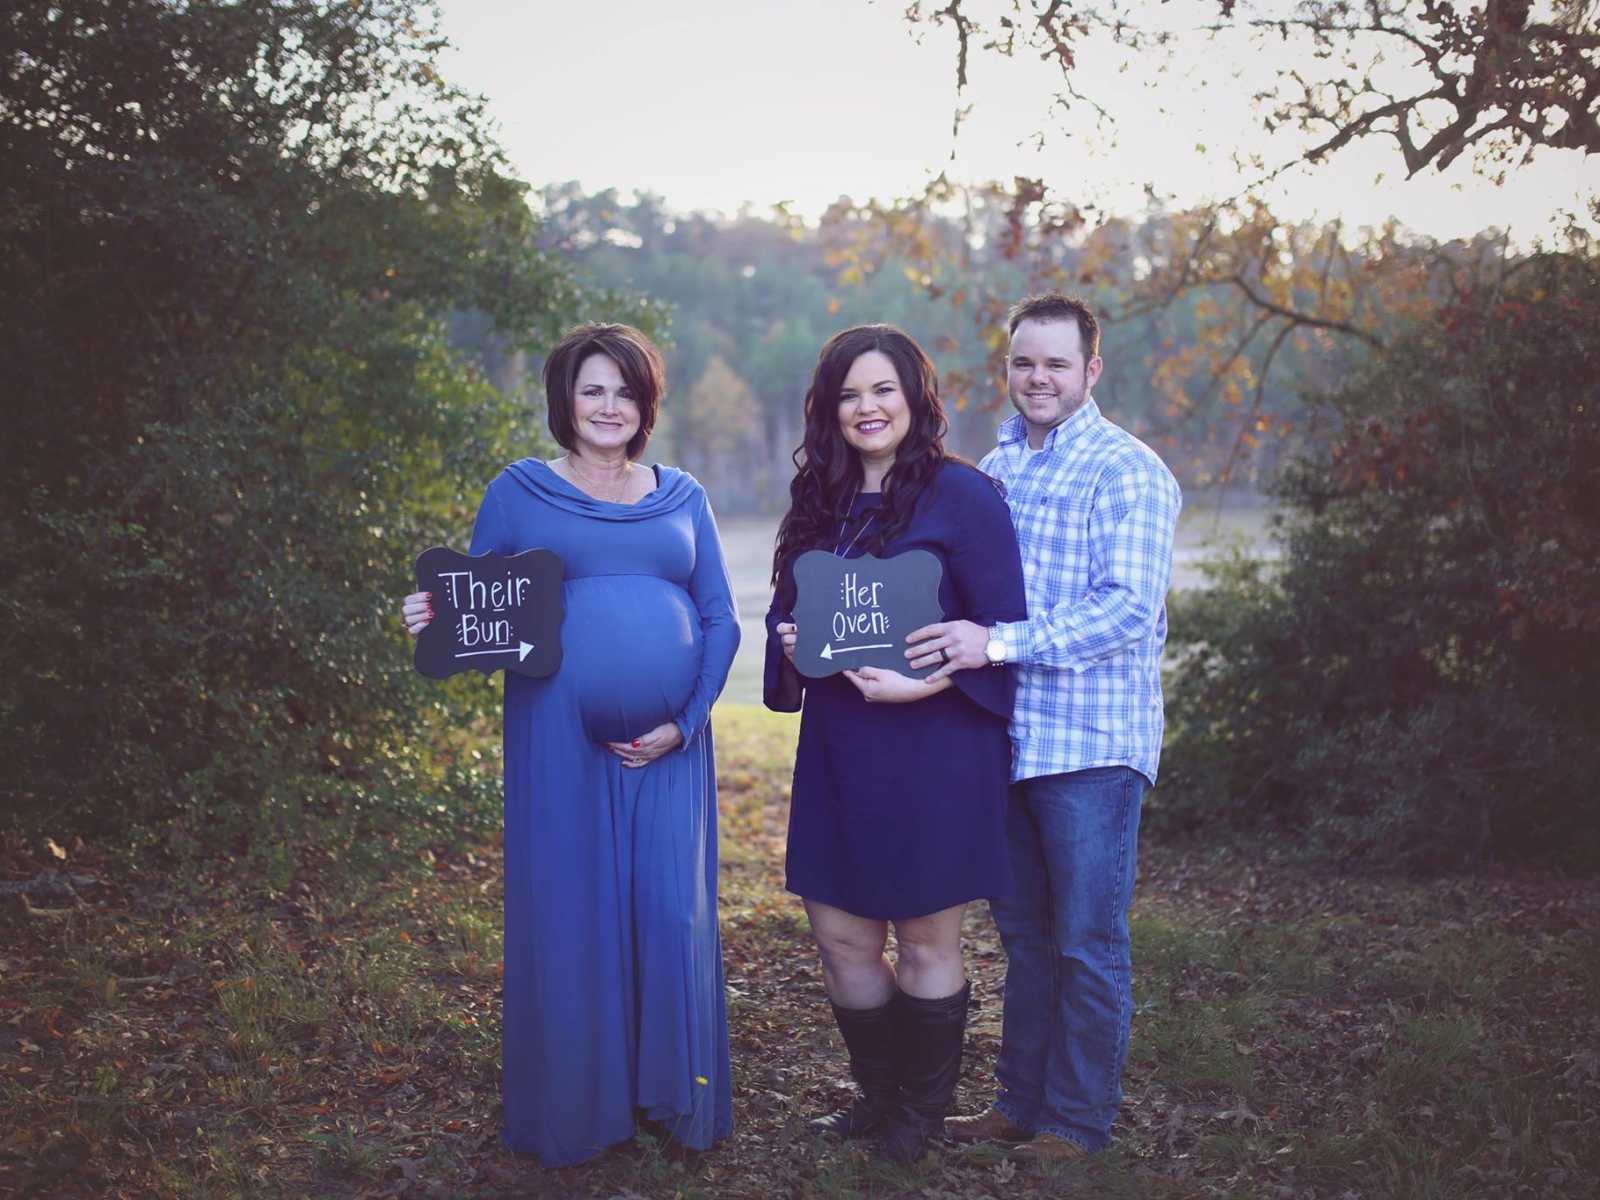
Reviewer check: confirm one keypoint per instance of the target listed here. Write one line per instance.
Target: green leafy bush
(231, 237)
(1415, 682)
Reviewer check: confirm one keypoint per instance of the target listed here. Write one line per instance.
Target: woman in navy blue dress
(613, 1003)
(897, 810)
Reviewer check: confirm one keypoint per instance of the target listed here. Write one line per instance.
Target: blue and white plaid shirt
(1095, 512)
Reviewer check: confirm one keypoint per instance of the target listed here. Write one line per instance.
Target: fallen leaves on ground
(1296, 1033)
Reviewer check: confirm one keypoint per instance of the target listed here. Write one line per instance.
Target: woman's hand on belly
(647, 747)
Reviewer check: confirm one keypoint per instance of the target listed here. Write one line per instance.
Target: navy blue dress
(613, 965)
(898, 810)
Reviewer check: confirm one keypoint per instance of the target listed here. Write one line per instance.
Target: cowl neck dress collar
(673, 489)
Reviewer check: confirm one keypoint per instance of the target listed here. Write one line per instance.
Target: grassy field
(322, 1021)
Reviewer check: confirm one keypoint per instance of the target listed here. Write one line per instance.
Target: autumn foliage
(1416, 682)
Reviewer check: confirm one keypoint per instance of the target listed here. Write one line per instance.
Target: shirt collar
(1015, 429)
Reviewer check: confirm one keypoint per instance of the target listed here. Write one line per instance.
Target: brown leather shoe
(1052, 1147)
(992, 1125)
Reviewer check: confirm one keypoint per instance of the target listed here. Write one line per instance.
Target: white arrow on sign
(521, 651)
(828, 651)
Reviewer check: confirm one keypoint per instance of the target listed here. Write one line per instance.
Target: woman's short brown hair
(636, 357)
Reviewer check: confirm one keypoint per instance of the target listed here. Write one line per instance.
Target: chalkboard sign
(856, 612)
(490, 612)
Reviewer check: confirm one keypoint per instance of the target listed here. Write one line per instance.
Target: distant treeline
(748, 301)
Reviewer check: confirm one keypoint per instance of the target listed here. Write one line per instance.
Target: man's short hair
(1054, 306)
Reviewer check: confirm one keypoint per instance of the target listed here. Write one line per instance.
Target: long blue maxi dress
(613, 998)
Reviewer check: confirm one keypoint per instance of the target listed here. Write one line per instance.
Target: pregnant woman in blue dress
(613, 1002)
(897, 810)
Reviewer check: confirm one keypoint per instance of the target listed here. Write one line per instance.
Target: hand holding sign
(855, 612)
(490, 612)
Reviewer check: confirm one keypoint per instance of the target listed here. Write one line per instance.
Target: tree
(1501, 77)
(1215, 319)
(717, 426)
(231, 235)
(1411, 685)
(1415, 684)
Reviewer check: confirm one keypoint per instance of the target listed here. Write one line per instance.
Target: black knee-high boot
(928, 1040)
(869, 1036)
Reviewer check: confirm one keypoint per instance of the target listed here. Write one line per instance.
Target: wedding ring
(944, 657)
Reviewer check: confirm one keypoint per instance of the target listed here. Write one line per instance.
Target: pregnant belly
(630, 647)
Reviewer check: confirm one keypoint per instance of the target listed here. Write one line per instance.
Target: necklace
(593, 487)
(845, 524)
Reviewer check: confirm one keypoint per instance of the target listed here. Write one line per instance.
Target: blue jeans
(1069, 989)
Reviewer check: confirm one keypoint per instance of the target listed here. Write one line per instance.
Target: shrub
(1415, 683)
(230, 238)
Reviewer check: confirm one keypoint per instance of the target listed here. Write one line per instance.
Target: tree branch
(1300, 318)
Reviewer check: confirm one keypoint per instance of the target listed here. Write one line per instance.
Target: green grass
(321, 1019)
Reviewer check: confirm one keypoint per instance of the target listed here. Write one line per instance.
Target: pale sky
(712, 104)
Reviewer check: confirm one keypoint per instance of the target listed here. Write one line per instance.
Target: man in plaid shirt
(1095, 511)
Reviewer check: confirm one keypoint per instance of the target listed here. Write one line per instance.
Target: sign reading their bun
(490, 612)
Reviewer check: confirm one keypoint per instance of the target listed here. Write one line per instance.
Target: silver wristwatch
(995, 651)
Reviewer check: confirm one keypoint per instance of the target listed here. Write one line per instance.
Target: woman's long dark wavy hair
(828, 469)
